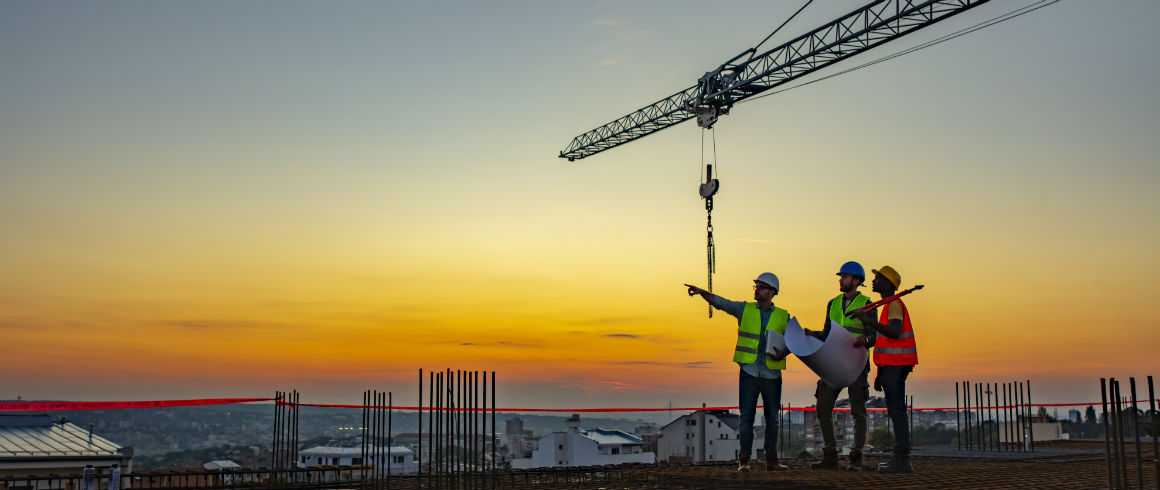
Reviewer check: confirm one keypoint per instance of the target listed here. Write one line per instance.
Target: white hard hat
(770, 279)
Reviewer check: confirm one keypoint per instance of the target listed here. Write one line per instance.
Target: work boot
(743, 461)
(855, 460)
(771, 463)
(897, 464)
(829, 459)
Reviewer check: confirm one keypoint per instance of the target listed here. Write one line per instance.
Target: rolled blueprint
(836, 361)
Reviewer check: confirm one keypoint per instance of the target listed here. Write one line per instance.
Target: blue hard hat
(854, 269)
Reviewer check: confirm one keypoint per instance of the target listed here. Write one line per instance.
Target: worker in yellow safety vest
(895, 354)
(850, 277)
(760, 372)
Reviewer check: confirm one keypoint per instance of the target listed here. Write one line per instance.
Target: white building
(586, 447)
(32, 444)
(704, 435)
(402, 460)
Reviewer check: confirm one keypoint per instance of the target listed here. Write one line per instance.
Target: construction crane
(742, 77)
(749, 74)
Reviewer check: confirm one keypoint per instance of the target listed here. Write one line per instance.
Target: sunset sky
(205, 199)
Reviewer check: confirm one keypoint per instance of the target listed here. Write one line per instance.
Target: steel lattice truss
(867, 27)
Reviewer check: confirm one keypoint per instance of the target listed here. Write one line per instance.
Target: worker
(760, 373)
(895, 354)
(850, 277)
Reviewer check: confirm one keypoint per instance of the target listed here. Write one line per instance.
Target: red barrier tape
(689, 409)
(60, 406)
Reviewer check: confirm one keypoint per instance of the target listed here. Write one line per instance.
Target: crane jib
(856, 32)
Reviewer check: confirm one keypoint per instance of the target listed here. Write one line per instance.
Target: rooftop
(36, 435)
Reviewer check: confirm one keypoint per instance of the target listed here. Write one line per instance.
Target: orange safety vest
(896, 352)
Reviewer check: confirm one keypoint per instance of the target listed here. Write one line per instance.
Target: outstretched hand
(694, 290)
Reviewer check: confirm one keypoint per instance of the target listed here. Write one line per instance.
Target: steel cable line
(962, 32)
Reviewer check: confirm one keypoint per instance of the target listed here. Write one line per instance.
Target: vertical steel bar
(1006, 436)
(987, 413)
(1120, 450)
(363, 432)
(274, 439)
(437, 462)
(1136, 434)
(1020, 416)
(1155, 426)
(1031, 431)
(475, 461)
(430, 427)
(1108, 457)
(458, 428)
(374, 437)
(419, 458)
(493, 428)
(297, 404)
(966, 416)
(979, 415)
(958, 425)
(390, 459)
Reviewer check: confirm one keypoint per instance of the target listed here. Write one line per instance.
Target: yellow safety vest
(838, 314)
(749, 334)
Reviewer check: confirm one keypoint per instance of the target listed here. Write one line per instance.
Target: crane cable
(961, 32)
(753, 52)
(707, 190)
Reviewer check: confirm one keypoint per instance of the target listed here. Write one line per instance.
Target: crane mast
(749, 74)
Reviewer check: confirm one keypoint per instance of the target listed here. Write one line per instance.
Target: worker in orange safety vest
(895, 355)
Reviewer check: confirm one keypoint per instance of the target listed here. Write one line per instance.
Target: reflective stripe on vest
(838, 314)
(749, 334)
(902, 351)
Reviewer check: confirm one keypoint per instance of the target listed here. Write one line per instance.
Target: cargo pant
(859, 392)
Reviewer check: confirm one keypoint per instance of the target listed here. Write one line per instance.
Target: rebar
(1108, 456)
(1155, 429)
(1136, 434)
(958, 425)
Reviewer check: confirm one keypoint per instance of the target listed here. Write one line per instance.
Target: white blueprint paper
(836, 361)
(775, 342)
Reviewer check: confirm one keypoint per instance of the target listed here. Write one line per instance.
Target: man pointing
(760, 373)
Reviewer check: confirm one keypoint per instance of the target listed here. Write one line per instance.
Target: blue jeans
(770, 390)
(893, 379)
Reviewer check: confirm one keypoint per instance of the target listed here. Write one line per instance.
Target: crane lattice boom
(738, 79)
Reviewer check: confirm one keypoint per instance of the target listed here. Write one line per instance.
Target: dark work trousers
(826, 395)
(770, 390)
(893, 379)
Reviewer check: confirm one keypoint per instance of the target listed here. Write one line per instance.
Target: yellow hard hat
(890, 274)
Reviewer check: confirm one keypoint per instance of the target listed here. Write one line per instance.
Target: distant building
(1074, 416)
(520, 442)
(650, 434)
(32, 444)
(225, 467)
(586, 447)
(704, 435)
(402, 460)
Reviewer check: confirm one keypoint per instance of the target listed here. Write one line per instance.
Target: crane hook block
(709, 188)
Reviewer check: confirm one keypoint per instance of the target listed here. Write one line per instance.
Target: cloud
(693, 364)
(617, 385)
(618, 23)
(502, 343)
(607, 62)
(623, 336)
